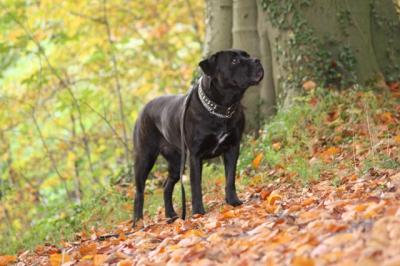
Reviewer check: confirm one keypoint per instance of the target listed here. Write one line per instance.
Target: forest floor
(348, 215)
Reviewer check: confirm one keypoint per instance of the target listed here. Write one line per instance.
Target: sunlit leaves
(59, 107)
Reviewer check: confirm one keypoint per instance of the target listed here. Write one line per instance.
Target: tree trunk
(334, 43)
(245, 36)
(218, 26)
(267, 92)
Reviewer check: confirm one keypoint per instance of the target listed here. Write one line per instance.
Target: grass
(293, 145)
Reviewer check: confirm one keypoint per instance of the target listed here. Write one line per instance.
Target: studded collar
(214, 108)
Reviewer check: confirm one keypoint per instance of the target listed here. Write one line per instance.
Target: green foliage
(297, 139)
(73, 76)
(63, 221)
(304, 132)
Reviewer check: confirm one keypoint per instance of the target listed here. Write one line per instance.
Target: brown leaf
(302, 261)
(397, 139)
(273, 197)
(5, 260)
(59, 259)
(125, 262)
(387, 118)
(309, 85)
(99, 259)
(89, 249)
(256, 162)
(307, 202)
(276, 146)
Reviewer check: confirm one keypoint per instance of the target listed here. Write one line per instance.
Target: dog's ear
(208, 65)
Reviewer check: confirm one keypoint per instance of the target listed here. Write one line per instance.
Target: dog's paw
(234, 202)
(172, 219)
(199, 210)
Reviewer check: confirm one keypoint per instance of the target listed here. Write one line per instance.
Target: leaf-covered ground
(349, 215)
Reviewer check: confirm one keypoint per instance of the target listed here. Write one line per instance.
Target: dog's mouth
(258, 76)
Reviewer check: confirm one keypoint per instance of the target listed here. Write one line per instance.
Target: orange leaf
(302, 261)
(89, 249)
(331, 151)
(273, 198)
(126, 262)
(277, 146)
(309, 85)
(295, 208)
(5, 260)
(99, 259)
(307, 202)
(387, 118)
(361, 207)
(264, 194)
(227, 215)
(397, 139)
(257, 160)
(194, 232)
(58, 259)
(334, 228)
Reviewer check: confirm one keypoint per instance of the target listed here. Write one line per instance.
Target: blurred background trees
(73, 75)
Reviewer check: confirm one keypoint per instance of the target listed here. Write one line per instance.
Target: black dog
(213, 126)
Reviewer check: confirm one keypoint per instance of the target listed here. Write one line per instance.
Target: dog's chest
(216, 143)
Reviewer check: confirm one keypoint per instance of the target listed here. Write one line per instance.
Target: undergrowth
(303, 143)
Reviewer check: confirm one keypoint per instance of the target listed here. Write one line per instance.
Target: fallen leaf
(99, 259)
(276, 146)
(5, 260)
(256, 162)
(302, 261)
(58, 259)
(88, 249)
(387, 118)
(397, 139)
(309, 85)
(273, 197)
(125, 262)
(307, 202)
(227, 215)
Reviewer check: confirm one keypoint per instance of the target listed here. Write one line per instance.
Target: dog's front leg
(196, 166)
(230, 161)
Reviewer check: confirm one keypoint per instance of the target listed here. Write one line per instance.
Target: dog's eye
(235, 61)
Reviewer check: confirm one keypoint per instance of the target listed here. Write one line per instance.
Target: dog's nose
(257, 60)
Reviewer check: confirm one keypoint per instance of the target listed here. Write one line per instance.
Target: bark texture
(334, 43)
(245, 37)
(218, 26)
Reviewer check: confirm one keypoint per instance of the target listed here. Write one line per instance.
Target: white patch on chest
(220, 138)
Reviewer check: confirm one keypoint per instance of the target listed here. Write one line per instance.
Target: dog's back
(160, 118)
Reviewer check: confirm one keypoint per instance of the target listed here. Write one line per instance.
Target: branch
(117, 85)
(64, 84)
(53, 162)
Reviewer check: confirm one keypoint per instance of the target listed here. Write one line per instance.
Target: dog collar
(214, 108)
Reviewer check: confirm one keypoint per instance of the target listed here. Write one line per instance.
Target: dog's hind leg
(146, 142)
(174, 161)
(143, 164)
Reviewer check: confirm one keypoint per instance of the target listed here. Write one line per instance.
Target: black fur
(227, 75)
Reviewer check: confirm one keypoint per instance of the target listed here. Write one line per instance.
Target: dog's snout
(256, 60)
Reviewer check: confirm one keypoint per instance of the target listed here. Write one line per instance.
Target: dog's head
(233, 69)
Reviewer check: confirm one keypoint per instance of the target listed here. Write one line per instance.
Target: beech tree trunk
(245, 37)
(218, 26)
(334, 43)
